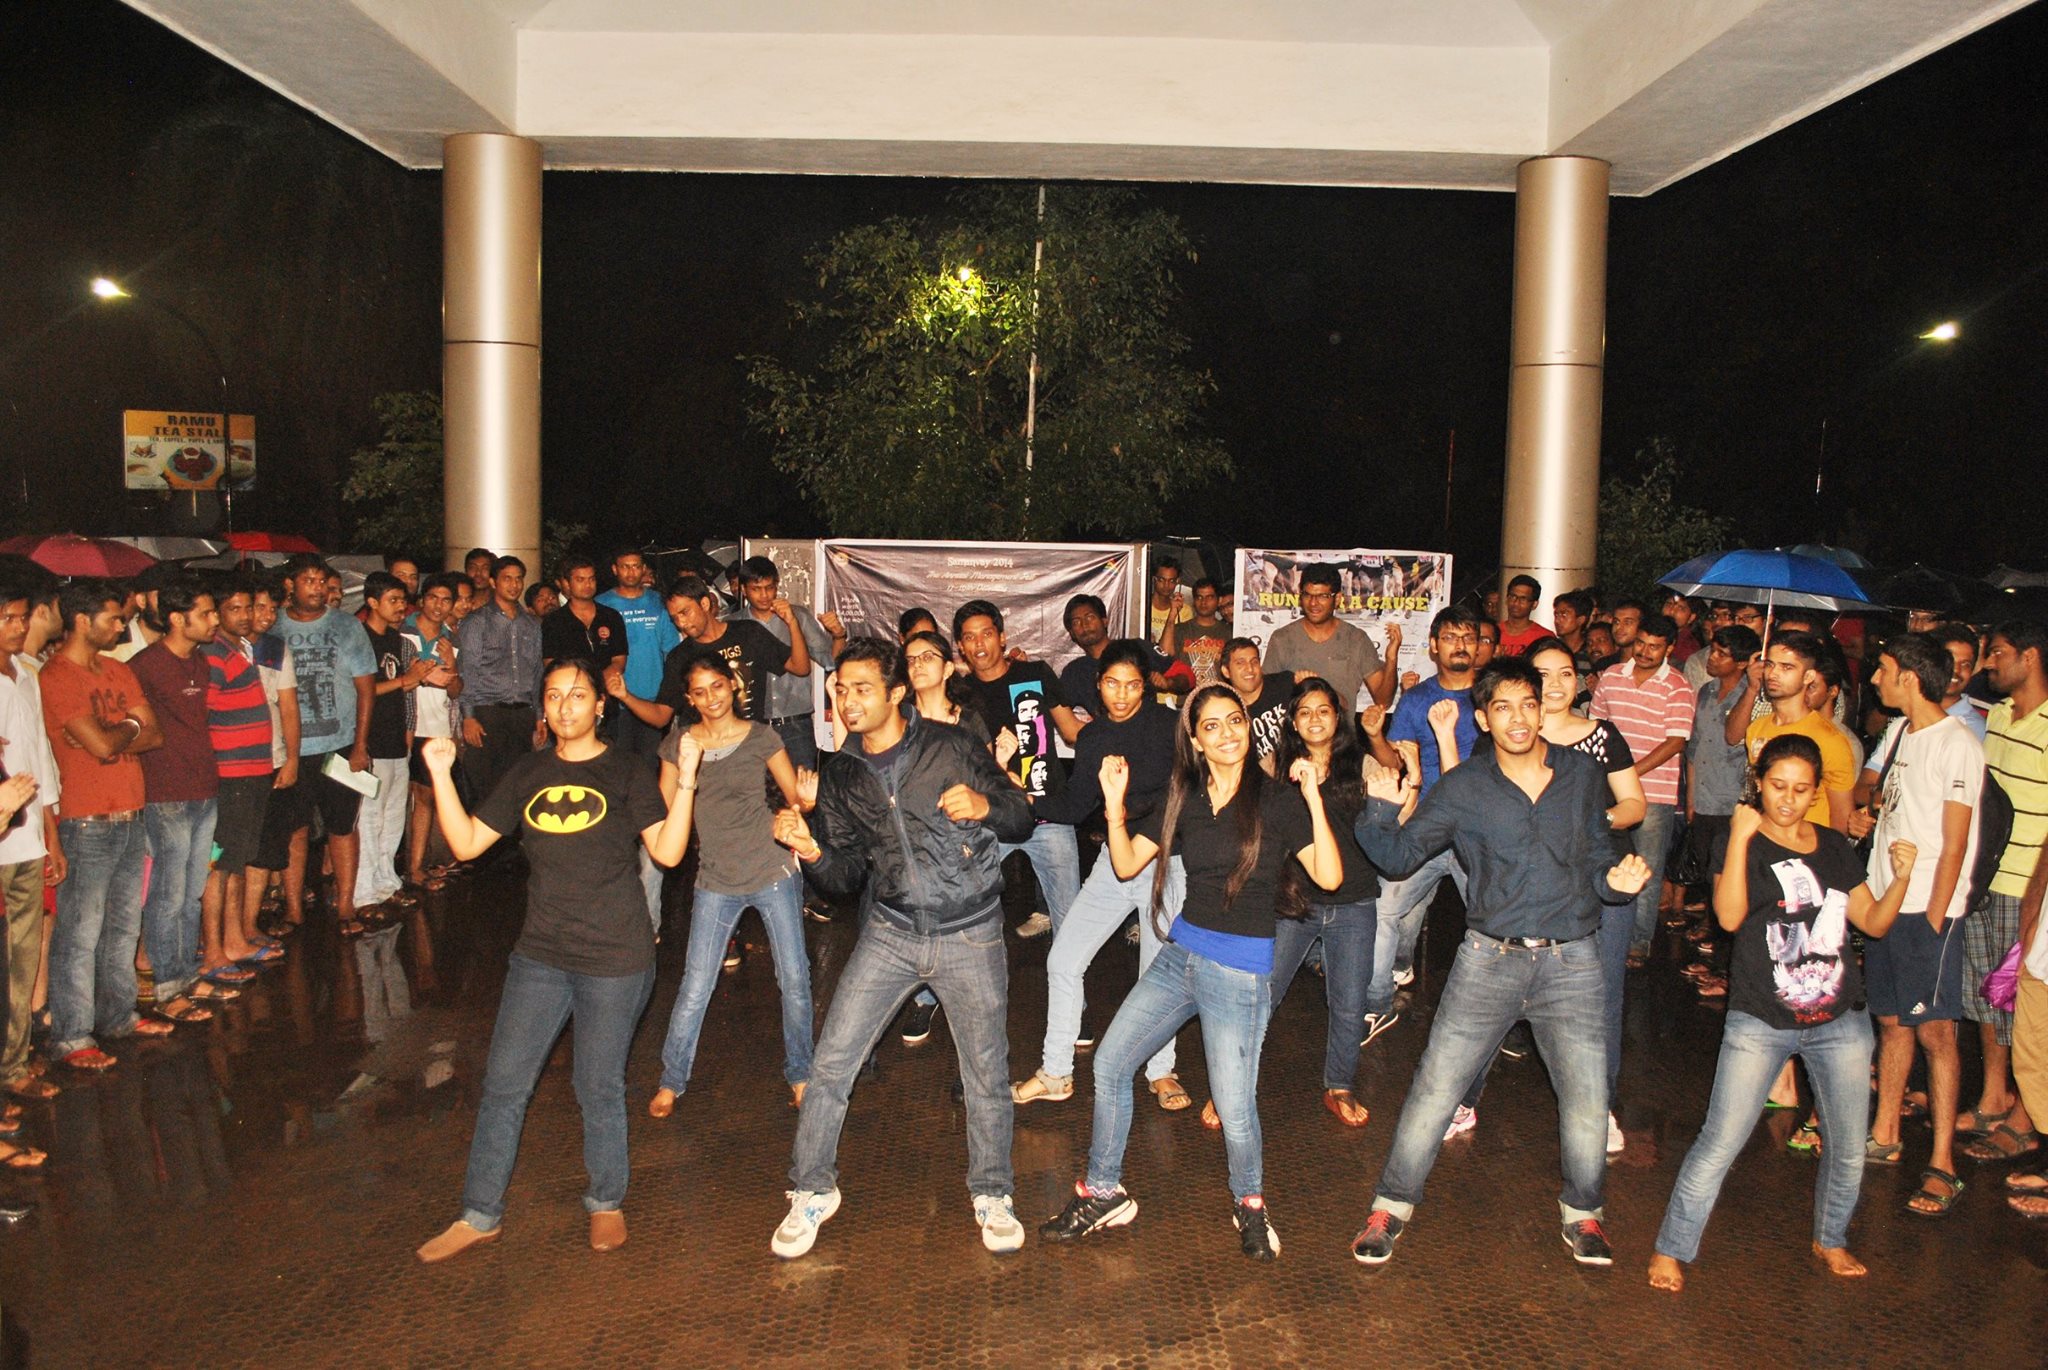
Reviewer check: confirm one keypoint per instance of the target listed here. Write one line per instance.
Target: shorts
(335, 802)
(244, 805)
(1914, 974)
(1988, 934)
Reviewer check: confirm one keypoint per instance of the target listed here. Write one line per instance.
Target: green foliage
(394, 486)
(558, 540)
(1645, 531)
(911, 422)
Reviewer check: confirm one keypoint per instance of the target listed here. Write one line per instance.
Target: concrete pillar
(1550, 514)
(490, 346)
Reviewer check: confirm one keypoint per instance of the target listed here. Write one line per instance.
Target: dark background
(1349, 331)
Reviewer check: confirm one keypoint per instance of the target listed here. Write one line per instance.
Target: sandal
(89, 1058)
(1981, 1124)
(1349, 1111)
(207, 992)
(263, 955)
(150, 1028)
(191, 1014)
(2026, 1182)
(1990, 1148)
(1943, 1203)
(33, 1088)
(1806, 1139)
(14, 1157)
(1877, 1153)
(228, 975)
(1171, 1096)
(2031, 1206)
(1050, 1088)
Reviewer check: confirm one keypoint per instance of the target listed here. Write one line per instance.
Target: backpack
(1994, 830)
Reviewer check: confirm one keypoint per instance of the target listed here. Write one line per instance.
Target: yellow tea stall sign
(171, 450)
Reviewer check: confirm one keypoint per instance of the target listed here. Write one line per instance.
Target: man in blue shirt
(650, 637)
(1529, 821)
(1431, 731)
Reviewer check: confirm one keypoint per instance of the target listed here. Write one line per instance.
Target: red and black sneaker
(1588, 1242)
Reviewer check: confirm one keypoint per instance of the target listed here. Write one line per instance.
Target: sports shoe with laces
(1588, 1242)
(1000, 1230)
(917, 1022)
(1462, 1122)
(1375, 1245)
(1255, 1234)
(808, 1211)
(1376, 1023)
(1037, 925)
(1087, 1213)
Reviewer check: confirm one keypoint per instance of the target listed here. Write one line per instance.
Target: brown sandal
(33, 1088)
(1167, 1089)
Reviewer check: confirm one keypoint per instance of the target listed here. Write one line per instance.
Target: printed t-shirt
(734, 820)
(1268, 713)
(1792, 966)
(752, 652)
(328, 654)
(1942, 763)
(183, 769)
(650, 636)
(579, 824)
(1021, 701)
(1515, 642)
(1201, 647)
(92, 787)
(1237, 932)
(387, 711)
(1837, 763)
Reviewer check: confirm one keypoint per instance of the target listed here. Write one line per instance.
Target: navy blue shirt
(1536, 868)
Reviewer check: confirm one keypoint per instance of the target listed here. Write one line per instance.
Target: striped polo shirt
(237, 713)
(1649, 715)
(2016, 749)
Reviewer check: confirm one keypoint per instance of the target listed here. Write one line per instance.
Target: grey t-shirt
(734, 820)
(1345, 660)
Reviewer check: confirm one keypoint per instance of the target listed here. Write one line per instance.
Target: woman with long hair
(585, 951)
(1320, 731)
(1234, 831)
(937, 689)
(1789, 891)
(728, 763)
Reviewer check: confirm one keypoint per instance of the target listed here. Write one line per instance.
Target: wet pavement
(251, 1194)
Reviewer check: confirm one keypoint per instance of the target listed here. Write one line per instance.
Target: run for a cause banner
(1375, 587)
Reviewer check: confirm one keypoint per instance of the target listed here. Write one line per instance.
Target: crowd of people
(1838, 834)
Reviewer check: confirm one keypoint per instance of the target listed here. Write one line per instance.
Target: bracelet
(131, 718)
(686, 789)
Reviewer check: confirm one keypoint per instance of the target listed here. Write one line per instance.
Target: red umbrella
(269, 542)
(68, 554)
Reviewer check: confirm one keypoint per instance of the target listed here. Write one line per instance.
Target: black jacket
(927, 873)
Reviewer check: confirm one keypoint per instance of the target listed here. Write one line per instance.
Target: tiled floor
(252, 1194)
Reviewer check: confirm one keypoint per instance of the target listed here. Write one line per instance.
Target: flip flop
(263, 955)
(150, 1028)
(2026, 1182)
(89, 1058)
(33, 1088)
(21, 1157)
(1172, 1097)
(2030, 1206)
(191, 1014)
(228, 975)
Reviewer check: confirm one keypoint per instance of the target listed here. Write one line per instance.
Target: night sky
(1349, 331)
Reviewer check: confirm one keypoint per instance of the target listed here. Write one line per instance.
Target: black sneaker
(1376, 1023)
(1375, 1245)
(1084, 1040)
(917, 1023)
(1085, 1213)
(1588, 1243)
(1255, 1234)
(817, 912)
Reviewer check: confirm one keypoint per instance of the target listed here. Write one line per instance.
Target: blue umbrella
(1770, 577)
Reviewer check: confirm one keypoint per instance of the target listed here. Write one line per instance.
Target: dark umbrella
(68, 554)
(1931, 590)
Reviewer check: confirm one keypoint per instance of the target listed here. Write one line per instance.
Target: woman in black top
(586, 950)
(1320, 730)
(1789, 891)
(1234, 831)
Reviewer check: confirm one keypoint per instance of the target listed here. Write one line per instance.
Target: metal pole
(1031, 381)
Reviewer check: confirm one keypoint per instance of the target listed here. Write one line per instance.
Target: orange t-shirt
(91, 787)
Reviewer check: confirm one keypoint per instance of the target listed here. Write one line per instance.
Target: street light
(1942, 332)
(109, 289)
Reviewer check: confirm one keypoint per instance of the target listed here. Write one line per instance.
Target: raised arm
(467, 837)
(1320, 858)
(667, 840)
(1129, 852)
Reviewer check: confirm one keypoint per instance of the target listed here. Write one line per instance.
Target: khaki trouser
(21, 887)
(2030, 1045)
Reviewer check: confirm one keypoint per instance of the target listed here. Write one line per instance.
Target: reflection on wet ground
(251, 1193)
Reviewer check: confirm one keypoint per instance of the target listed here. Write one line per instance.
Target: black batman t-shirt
(579, 823)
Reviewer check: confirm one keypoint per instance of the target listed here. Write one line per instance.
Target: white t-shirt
(1940, 764)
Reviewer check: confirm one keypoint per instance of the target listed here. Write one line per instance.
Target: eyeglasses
(924, 659)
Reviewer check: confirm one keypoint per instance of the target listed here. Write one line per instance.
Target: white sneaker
(1462, 1122)
(1000, 1230)
(808, 1211)
(1615, 1140)
(1037, 925)
(1404, 977)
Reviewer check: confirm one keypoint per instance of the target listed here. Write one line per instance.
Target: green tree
(394, 485)
(911, 422)
(1645, 530)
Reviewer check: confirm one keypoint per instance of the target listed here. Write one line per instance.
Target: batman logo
(565, 809)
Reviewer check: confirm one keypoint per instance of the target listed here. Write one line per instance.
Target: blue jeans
(712, 918)
(92, 947)
(1233, 1006)
(1348, 932)
(1616, 939)
(1652, 838)
(538, 1002)
(1752, 1052)
(1056, 858)
(1403, 904)
(180, 854)
(1097, 911)
(651, 876)
(970, 969)
(1559, 990)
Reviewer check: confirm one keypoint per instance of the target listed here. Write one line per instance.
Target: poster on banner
(870, 583)
(177, 450)
(1375, 587)
(795, 560)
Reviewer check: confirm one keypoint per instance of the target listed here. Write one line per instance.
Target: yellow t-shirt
(2017, 752)
(1837, 762)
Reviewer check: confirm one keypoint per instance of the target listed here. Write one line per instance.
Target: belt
(1533, 943)
(787, 718)
(128, 817)
(505, 704)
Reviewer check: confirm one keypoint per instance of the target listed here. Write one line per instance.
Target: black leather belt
(1533, 943)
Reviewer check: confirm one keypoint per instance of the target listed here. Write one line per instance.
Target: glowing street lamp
(109, 289)
(1942, 332)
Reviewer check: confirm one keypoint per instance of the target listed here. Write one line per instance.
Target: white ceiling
(1341, 92)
